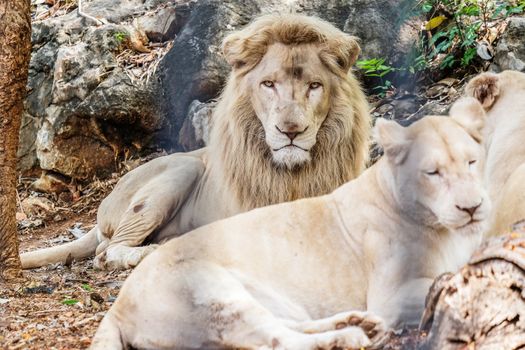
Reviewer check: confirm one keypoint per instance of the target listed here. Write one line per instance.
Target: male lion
(502, 95)
(286, 276)
(291, 123)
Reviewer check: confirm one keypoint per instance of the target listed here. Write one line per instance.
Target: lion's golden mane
(237, 149)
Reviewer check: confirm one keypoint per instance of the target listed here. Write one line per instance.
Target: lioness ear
(469, 113)
(392, 137)
(341, 52)
(485, 88)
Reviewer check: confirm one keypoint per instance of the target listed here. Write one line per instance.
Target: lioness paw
(348, 338)
(373, 326)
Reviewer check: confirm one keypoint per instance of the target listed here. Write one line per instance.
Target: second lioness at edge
(503, 97)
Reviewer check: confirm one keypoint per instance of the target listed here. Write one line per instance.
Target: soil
(57, 307)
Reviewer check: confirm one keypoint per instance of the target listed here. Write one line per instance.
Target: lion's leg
(152, 207)
(122, 257)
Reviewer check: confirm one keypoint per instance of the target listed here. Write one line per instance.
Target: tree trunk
(483, 305)
(15, 51)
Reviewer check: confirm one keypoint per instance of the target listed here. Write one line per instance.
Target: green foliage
(69, 301)
(454, 40)
(377, 68)
(87, 287)
(449, 40)
(120, 36)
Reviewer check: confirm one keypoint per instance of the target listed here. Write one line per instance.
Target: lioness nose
(470, 210)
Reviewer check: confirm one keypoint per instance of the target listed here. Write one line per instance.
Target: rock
(88, 103)
(377, 23)
(164, 23)
(37, 206)
(52, 183)
(193, 69)
(510, 51)
(195, 130)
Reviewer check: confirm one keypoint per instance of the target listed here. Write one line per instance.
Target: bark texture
(15, 50)
(482, 306)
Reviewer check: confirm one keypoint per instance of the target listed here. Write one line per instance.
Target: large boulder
(510, 51)
(93, 96)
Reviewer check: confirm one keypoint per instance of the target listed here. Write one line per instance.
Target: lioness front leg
(256, 328)
(405, 302)
(239, 320)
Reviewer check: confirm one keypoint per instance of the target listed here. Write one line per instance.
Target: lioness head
(289, 68)
(437, 165)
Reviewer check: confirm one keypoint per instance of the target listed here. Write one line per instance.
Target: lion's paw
(122, 257)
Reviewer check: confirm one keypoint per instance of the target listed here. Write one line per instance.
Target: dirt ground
(58, 306)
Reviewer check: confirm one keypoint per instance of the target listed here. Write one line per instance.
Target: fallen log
(483, 305)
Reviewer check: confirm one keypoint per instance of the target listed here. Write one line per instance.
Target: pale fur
(317, 273)
(502, 95)
(239, 171)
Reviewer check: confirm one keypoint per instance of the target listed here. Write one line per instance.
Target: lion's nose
(291, 130)
(291, 135)
(470, 210)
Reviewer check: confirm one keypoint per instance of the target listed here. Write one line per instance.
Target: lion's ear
(232, 49)
(485, 88)
(341, 52)
(392, 137)
(469, 113)
(243, 52)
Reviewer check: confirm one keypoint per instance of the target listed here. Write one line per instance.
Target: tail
(108, 335)
(82, 248)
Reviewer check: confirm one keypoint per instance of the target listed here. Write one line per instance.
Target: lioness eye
(268, 83)
(472, 162)
(431, 173)
(314, 85)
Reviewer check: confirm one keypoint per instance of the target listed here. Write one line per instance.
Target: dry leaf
(435, 22)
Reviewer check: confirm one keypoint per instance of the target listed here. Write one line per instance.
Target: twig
(19, 202)
(85, 15)
(43, 312)
(95, 317)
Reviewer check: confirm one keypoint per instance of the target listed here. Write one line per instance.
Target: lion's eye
(432, 173)
(472, 162)
(314, 85)
(268, 83)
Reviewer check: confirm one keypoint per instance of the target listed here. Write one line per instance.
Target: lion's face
(290, 93)
(438, 179)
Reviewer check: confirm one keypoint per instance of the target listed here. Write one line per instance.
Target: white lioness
(503, 97)
(293, 275)
(292, 122)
